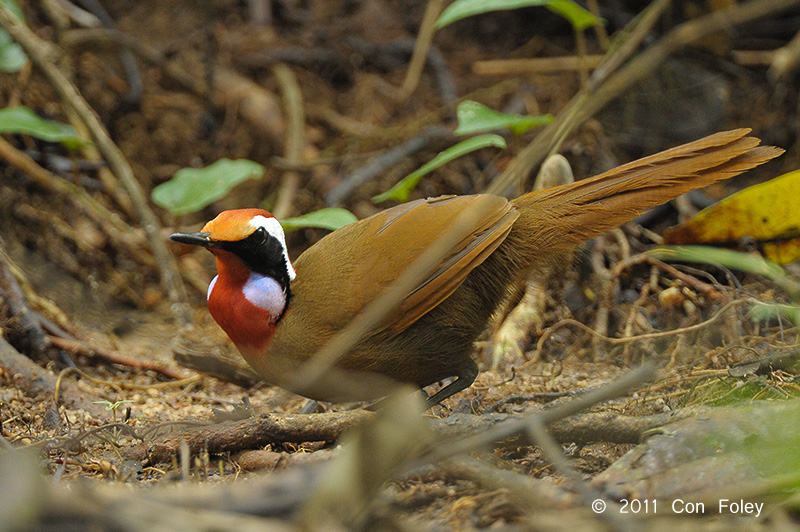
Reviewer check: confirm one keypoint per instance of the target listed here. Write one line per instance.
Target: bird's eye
(259, 236)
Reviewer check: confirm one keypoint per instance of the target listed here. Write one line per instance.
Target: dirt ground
(123, 358)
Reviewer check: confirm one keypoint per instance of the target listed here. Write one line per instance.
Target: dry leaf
(766, 215)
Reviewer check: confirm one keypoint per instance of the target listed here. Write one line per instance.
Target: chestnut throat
(252, 290)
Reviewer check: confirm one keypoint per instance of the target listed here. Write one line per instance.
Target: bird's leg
(312, 407)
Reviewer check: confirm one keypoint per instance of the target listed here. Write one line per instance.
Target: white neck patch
(274, 228)
(265, 292)
(211, 287)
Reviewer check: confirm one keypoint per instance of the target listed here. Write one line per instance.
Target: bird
(280, 312)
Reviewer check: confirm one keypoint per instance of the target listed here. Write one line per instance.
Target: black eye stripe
(262, 253)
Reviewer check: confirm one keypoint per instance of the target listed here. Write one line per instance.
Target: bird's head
(253, 236)
(251, 290)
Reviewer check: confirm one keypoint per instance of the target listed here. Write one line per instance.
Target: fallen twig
(536, 65)
(265, 459)
(786, 59)
(252, 433)
(706, 289)
(324, 61)
(126, 58)
(580, 429)
(527, 398)
(75, 346)
(386, 55)
(514, 426)
(538, 432)
(244, 507)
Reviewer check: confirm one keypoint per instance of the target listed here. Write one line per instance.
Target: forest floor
(115, 388)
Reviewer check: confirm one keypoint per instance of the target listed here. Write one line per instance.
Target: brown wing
(361, 260)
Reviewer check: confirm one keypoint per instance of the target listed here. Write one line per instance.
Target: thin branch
(421, 47)
(706, 289)
(385, 160)
(785, 60)
(295, 138)
(113, 357)
(260, 431)
(555, 454)
(536, 65)
(648, 336)
(126, 58)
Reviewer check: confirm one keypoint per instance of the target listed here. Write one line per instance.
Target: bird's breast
(247, 311)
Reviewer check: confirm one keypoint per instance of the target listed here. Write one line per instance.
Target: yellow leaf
(765, 215)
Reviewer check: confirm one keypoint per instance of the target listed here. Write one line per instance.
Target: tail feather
(592, 206)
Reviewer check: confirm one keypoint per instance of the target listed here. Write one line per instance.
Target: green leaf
(767, 311)
(579, 18)
(21, 120)
(401, 191)
(12, 58)
(474, 117)
(13, 6)
(329, 218)
(728, 258)
(191, 189)
(575, 14)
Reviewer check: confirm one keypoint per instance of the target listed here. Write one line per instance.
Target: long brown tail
(560, 218)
